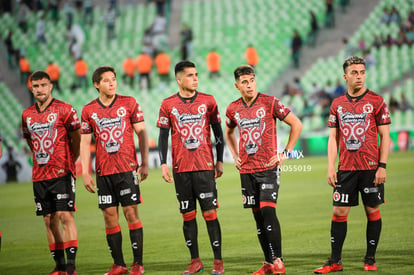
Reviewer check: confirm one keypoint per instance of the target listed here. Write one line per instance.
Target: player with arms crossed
(113, 119)
(190, 114)
(258, 160)
(51, 129)
(356, 119)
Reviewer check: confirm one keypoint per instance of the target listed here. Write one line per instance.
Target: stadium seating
(221, 25)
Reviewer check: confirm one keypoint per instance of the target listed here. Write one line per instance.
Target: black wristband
(382, 165)
(286, 153)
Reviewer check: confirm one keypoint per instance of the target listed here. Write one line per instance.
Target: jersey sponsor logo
(251, 131)
(43, 137)
(111, 130)
(62, 196)
(267, 186)
(354, 127)
(190, 127)
(125, 192)
(206, 195)
(370, 190)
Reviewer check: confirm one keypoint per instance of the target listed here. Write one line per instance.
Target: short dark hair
(243, 70)
(38, 75)
(180, 66)
(97, 74)
(353, 60)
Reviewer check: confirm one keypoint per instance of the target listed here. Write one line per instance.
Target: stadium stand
(216, 24)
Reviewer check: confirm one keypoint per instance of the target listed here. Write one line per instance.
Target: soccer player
(190, 115)
(113, 119)
(52, 131)
(356, 119)
(258, 160)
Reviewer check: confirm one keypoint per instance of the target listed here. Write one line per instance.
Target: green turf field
(304, 209)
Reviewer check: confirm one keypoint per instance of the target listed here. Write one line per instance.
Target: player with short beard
(51, 129)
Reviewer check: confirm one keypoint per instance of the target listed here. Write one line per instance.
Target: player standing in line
(258, 160)
(190, 114)
(113, 119)
(51, 129)
(356, 119)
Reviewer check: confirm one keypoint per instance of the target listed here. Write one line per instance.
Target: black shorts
(54, 195)
(118, 188)
(351, 182)
(190, 186)
(260, 187)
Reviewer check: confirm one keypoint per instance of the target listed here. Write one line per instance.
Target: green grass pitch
(304, 209)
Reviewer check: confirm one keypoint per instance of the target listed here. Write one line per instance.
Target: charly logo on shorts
(336, 196)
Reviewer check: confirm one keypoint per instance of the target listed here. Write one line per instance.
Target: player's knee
(210, 215)
(131, 214)
(66, 217)
(189, 216)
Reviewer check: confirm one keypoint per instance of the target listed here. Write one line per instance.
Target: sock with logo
(214, 233)
(136, 234)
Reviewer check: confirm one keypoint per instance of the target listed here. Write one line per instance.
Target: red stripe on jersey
(113, 230)
(339, 218)
(135, 226)
(375, 216)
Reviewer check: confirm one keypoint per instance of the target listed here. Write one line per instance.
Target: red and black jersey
(47, 133)
(357, 119)
(190, 120)
(257, 130)
(114, 133)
